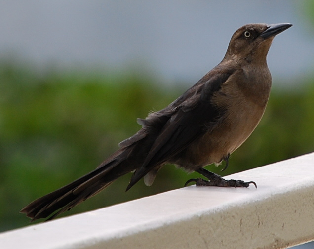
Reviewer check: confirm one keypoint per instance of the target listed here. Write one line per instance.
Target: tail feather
(78, 191)
(128, 158)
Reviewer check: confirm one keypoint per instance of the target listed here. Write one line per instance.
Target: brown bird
(201, 127)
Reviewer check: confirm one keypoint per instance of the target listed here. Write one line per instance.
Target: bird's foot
(221, 182)
(217, 180)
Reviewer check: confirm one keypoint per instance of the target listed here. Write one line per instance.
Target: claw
(252, 183)
(189, 181)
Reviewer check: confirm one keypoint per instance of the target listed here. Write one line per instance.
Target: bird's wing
(192, 115)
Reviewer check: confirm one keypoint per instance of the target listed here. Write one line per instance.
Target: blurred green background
(56, 126)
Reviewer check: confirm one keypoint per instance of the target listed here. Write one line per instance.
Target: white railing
(278, 214)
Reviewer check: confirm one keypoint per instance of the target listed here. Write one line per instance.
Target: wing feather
(185, 120)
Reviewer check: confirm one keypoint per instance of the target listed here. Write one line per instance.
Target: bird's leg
(217, 180)
(226, 159)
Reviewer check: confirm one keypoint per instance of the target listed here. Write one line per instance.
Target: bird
(203, 126)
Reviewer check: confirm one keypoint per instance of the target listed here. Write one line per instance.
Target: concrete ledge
(278, 214)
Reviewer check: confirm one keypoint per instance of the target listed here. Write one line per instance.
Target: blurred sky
(176, 40)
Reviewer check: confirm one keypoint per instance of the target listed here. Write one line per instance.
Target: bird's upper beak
(275, 29)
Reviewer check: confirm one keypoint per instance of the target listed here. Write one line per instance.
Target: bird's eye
(247, 34)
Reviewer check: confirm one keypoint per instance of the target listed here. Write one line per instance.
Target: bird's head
(251, 42)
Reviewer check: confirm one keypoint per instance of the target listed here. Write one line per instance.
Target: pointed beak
(275, 29)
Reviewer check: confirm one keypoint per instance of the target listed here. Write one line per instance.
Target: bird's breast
(242, 113)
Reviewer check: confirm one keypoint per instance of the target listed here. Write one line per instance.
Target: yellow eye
(247, 34)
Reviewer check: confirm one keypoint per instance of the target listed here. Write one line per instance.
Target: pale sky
(176, 40)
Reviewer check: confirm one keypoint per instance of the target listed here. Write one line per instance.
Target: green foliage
(306, 9)
(55, 128)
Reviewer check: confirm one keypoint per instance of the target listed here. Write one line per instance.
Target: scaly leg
(217, 180)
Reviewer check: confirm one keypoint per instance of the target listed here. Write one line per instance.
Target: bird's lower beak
(275, 29)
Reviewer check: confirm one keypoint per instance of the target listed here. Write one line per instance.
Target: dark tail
(78, 191)
(129, 157)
